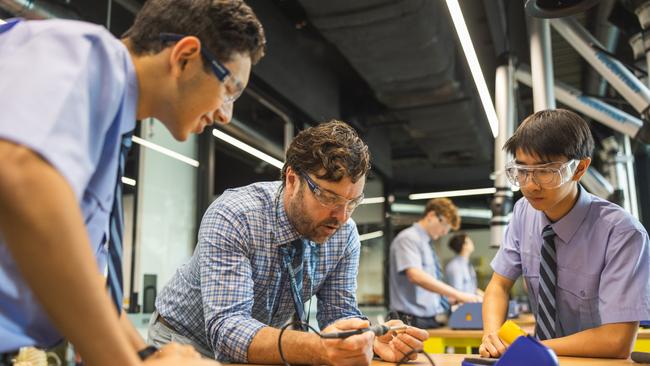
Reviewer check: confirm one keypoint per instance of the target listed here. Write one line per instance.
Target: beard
(304, 224)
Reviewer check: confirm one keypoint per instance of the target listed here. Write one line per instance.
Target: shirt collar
(567, 226)
(284, 231)
(421, 232)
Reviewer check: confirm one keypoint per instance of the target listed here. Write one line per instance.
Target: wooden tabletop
(455, 360)
(446, 332)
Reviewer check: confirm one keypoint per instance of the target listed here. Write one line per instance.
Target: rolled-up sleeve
(507, 261)
(58, 97)
(337, 297)
(624, 292)
(227, 287)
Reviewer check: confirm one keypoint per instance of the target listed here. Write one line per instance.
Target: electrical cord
(298, 324)
(378, 330)
(412, 352)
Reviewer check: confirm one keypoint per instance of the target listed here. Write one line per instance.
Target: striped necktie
(546, 310)
(114, 279)
(443, 300)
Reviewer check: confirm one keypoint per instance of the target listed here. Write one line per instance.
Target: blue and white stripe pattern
(235, 283)
(546, 309)
(114, 278)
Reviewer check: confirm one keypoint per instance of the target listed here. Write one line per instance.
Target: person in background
(460, 272)
(418, 293)
(585, 260)
(70, 95)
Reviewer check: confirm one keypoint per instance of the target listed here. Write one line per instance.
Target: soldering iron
(379, 330)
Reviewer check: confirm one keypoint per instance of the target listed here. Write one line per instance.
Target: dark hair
(331, 151)
(551, 133)
(443, 207)
(225, 27)
(457, 241)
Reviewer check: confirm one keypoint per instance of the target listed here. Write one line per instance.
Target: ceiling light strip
(372, 200)
(165, 151)
(128, 181)
(458, 193)
(474, 66)
(247, 148)
(371, 235)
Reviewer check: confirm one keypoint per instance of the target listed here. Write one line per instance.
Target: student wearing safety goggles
(585, 260)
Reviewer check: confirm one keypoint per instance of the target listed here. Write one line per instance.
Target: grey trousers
(159, 335)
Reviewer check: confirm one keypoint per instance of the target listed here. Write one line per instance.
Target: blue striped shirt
(234, 284)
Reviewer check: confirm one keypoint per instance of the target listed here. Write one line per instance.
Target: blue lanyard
(287, 257)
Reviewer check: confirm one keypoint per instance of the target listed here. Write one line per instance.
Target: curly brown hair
(444, 207)
(330, 150)
(225, 27)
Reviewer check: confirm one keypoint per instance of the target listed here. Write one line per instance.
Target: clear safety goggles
(548, 176)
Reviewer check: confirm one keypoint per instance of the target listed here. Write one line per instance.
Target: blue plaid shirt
(235, 284)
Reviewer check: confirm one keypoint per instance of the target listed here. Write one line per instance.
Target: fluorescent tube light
(165, 151)
(128, 181)
(474, 66)
(371, 200)
(459, 193)
(247, 148)
(372, 235)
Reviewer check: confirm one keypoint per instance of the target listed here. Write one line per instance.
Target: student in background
(418, 293)
(460, 272)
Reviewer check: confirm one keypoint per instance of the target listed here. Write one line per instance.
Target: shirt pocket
(530, 272)
(578, 292)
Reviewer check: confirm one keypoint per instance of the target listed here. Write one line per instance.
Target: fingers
(492, 346)
(405, 343)
(417, 333)
(351, 323)
(354, 350)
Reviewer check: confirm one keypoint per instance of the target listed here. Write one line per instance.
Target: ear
(581, 169)
(183, 52)
(291, 180)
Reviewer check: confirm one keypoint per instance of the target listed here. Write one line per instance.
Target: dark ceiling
(394, 70)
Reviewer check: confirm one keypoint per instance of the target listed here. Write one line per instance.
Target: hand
(176, 349)
(392, 346)
(175, 360)
(469, 297)
(492, 345)
(354, 350)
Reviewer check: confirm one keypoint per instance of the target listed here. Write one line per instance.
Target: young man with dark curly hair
(585, 260)
(73, 93)
(265, 249)
(418, 293)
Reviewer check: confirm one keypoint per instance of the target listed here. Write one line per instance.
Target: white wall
(166, 206)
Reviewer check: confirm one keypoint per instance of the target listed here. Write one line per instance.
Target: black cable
(298, 324)
(415, 351)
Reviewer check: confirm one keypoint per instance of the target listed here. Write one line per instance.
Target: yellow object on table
(510, 331)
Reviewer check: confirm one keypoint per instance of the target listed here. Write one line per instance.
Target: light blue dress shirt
(460, 274)
(68, 92)
(603, 264)
(235, 283)
(412, 248)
